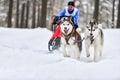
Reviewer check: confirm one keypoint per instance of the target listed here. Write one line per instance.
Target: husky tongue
(66, 30)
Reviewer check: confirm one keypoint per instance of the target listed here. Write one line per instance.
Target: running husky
(95, 37)
(69, 37)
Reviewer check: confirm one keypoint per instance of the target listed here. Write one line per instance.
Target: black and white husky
(69, 35)
(94, 37)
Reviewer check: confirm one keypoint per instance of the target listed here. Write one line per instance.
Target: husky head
(91, 28)
(66, 26)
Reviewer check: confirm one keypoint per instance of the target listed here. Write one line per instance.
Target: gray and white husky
(94, 37)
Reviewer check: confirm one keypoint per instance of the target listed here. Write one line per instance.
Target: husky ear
(94, 21)
(71, 19)
(63, 19)
(90, 22)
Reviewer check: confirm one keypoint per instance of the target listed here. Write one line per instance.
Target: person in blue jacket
(70, 10)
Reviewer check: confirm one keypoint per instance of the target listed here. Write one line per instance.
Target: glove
(76, 26)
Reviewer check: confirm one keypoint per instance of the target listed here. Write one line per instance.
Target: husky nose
(65, 27)
(91, 34)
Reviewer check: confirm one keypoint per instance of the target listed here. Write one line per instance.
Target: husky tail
(102, 35)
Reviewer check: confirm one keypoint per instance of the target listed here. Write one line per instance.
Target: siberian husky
(94, 37)
(69, 36)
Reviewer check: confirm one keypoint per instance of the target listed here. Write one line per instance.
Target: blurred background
(38, 13)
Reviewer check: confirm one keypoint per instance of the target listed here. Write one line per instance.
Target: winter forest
(38, 13)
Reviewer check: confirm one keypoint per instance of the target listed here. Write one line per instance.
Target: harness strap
(81, 40)
(78, 41)
(91, 39)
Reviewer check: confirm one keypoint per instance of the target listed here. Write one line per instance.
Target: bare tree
(38, 17)
(27, 14)
(43, 13)
(22, 16)
(96, 10)
(118, 18)
(51, 13)
(34, 14)
(10, 13)
(113, 11)
(17, 14)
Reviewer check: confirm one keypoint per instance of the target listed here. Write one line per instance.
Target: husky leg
(78, 53)
(63, 50)
(87, 50)
(96, 51)
(68, 51)
(101, 47)
(100, 51)
(63, 47)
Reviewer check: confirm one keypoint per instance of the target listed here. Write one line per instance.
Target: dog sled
(54, 42)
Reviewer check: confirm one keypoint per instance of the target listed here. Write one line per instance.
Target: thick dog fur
(94, 37)
(69, 47)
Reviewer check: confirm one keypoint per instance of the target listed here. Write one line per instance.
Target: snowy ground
(24, 56)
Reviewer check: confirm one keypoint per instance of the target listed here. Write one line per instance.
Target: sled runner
(54, 44)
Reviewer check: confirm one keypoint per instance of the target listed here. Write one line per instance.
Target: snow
(24, 56)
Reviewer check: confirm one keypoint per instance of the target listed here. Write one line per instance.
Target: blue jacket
(74, 13)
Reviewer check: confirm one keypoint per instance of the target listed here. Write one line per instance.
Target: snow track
(24, 55)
